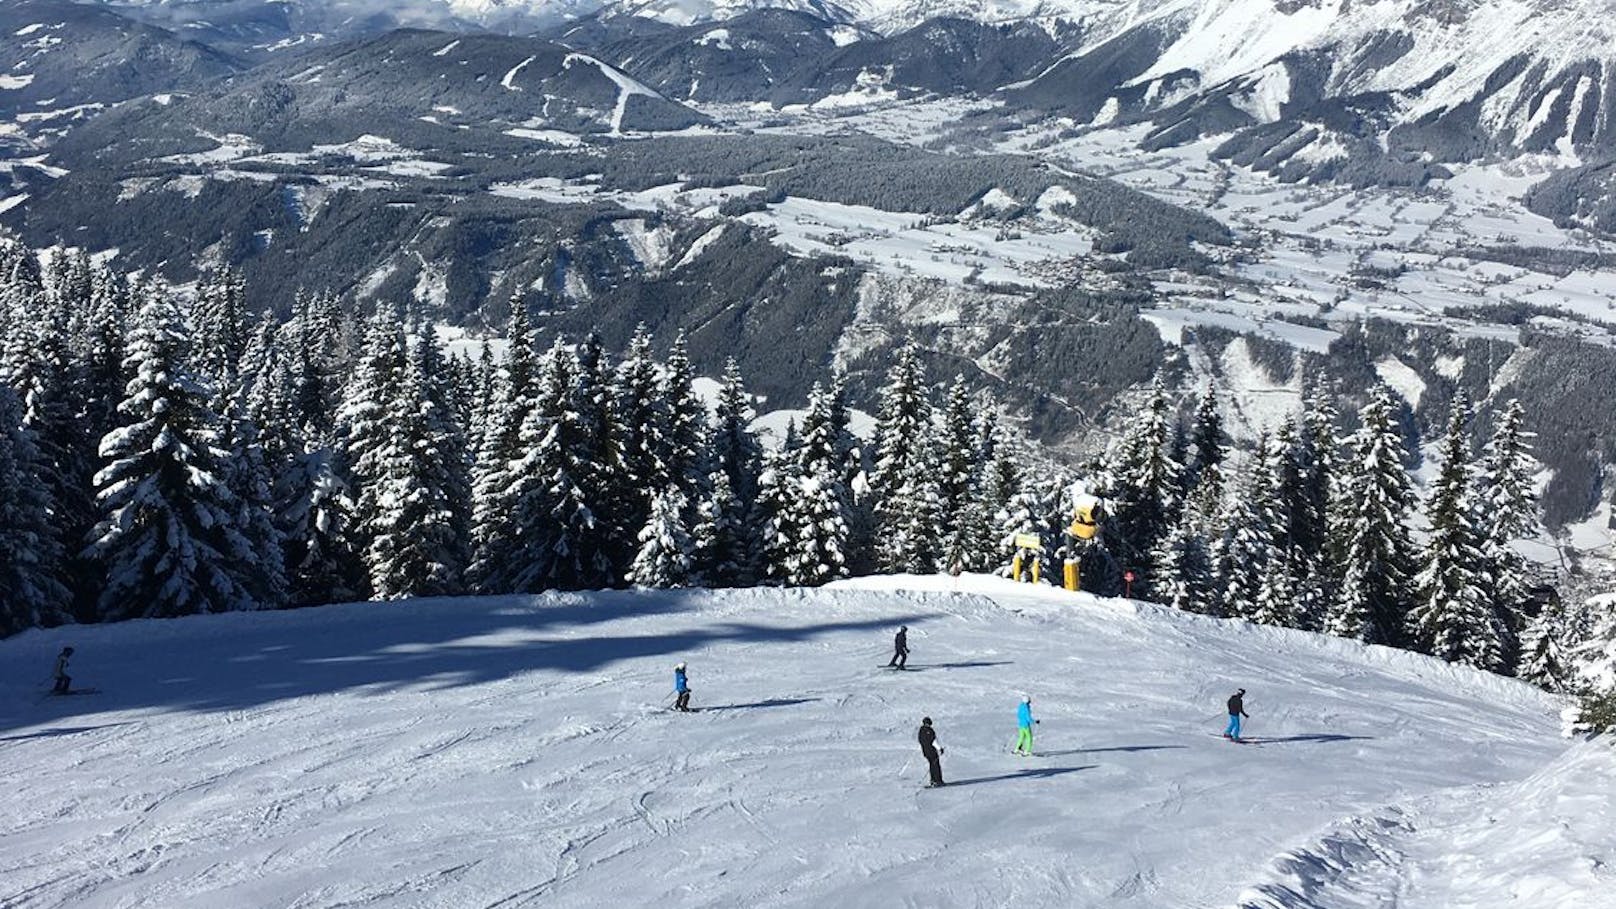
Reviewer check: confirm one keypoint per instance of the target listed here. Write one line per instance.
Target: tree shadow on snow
(252, 660)
(56, 731)
(773, 702)
(1107, 750)
(1033, 773)
(1315, 737)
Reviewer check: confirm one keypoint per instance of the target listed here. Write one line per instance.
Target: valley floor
(516, 752)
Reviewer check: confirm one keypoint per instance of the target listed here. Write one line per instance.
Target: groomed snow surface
(516, 752)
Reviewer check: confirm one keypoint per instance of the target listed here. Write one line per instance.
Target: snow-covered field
(515, 752)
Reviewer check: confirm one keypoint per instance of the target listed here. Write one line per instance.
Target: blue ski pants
(1233, 731)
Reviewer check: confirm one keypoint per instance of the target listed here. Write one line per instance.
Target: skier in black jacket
(900, 649)
(928, 747)
(1237, 709)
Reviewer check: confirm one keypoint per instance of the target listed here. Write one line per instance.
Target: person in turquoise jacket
(681, 687)
(1024, 724)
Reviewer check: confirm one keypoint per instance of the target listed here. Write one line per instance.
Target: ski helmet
(925, 721)
(1241, 691)
(678, 665)
(1026, 699)
(903, 627)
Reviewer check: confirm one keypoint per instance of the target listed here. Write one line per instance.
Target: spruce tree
(1182, 570)
(686, 432)
(1375, 497)
(32, 562)
(1253, 531)
(558, 543)
(1544, 661)
(1507, 495)
(511, 401)
(316, 514)
(640, 417)
(414, 518)
(903, 483)
(1453, 618)
(1144, 487)
(722, 540)
(666, 553)
(604, 552)
(170, 536)
(733, 447)
(1209, 444)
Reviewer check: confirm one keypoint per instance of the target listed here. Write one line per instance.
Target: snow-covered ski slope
(514, 752)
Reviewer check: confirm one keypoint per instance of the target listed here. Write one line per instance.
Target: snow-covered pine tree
(1453, 618)
(604, 546)
(220, 320)
(441, 413)
(1375, 495)
(1277, 599)
(169, 536)
(251, 481)
(666, 555)
(999, 479)
(684, 445)
(1316, 454)
(493, 530)
(640, 417)
(557, 543)
(1543, 661)
(733, 447)
(810, 532)
(958, 507)
(902, 485)
(363, 428)
(32, 592)
(316, 516)
(1209, 444)
(37, 361)
(723, 542)
(1253, 536)
(415, 546)
(778, 480)
(1507, 493)
(104, 374)
(1144, 488)
(1183, 577)
(1596, 670)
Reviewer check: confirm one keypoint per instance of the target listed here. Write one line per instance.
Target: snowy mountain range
(807, 182)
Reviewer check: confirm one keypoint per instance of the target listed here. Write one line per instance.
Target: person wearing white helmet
(681, 687)
(1024, 724)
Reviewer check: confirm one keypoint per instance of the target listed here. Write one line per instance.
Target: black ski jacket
(928, 739)
(901, 642)
(1237, 705)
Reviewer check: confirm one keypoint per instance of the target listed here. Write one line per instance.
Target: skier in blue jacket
(1024, 724)
(681, 686)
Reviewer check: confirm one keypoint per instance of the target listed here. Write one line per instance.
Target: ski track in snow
(515, 752)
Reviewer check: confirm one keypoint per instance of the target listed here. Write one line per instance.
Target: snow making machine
(1087, 512)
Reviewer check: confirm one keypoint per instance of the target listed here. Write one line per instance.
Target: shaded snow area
(517, 752)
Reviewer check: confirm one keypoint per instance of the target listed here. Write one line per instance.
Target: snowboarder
(1024, 724)
(928, 747)
(681, 687)
(63, 683)
(1237, 709)
(900, 649)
